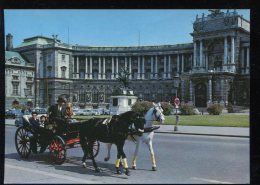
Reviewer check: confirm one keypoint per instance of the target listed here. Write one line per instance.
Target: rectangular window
(63, 58)
(29, 87)
(63, 74)
(129, 101)
(15, 77)
(115, 102)
(29, 78)
(15, 88)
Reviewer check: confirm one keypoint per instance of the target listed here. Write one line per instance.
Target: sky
(106, 27)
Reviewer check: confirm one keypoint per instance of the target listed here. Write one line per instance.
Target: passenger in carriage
(39, 133)
(69, 113)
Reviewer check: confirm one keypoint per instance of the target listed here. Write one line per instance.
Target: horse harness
(154, 113)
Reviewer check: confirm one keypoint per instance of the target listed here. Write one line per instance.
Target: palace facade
(212, 69)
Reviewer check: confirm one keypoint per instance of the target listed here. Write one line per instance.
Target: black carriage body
(59, 134)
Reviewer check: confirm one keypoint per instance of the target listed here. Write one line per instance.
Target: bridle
(154, 113)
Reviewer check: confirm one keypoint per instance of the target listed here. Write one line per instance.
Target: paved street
(180, 159)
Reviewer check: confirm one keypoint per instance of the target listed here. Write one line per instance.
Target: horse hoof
(118, 172)
(97, 170)
(106, 159)
(84, 165)
(127, 172)
(134, 167)
(154, 168)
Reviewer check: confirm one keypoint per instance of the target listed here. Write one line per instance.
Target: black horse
(114, 130)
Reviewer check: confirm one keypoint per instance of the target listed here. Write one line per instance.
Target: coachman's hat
(60, 99)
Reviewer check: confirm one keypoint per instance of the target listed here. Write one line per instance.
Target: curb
(200, 134)
(186, 133)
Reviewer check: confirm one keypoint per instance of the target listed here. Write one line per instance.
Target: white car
(87, 112)
(78, 112)
(95, 112)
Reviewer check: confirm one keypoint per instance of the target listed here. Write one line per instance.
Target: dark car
(13, 113)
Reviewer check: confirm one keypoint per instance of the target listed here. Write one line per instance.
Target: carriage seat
(26, 118)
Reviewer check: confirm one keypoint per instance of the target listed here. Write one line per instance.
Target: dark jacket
(35, 123)
(54, 112)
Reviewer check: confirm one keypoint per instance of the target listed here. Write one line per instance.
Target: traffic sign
(177, 102)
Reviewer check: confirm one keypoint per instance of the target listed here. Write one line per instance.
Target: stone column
(130, 67)
(169, 66)
(207, 62)
(73, 69)
(182, 63)
(247, 60)
(195, 54)
(77, 67)
(222, 92)
(242, 60)
(232, 50)
(104, 67)
(117, 67)
(99, 68)
(201, 53)
(86, 68)
(113, 71)
(138, 68)
(152, 70)
(233, 54)
(156, 67)
(210, 90)
(191, 92)
(125, 62)
(164, 67)
(90, 70)
(178, 65)
(143, 77)
(225, 54)
(182, 90)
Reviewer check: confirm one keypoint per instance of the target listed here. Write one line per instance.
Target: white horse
(154, 114)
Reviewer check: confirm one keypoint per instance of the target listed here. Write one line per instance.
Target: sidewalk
(192, 130)
(205, 130)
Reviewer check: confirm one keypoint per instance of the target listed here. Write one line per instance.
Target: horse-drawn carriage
(57, 134)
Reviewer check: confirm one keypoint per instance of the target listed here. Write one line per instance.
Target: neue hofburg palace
(214, 68)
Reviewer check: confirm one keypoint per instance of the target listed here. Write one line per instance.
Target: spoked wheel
(57, 150)
(95, 149)
(22, 142)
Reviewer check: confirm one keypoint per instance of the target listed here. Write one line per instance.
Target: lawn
(202, 120)
(210, 120)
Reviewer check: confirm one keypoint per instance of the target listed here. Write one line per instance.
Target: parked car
(95, 112)
(78, 112)
(40, 110)
(13, 113)
(87, 112)
(106, 111)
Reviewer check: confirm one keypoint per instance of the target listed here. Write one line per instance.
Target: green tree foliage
(142, 107)
(167, 108)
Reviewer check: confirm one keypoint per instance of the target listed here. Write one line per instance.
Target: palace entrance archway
(200, 95)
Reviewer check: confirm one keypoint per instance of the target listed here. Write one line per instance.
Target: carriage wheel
(95, 149)
(57, 150)
(22, 142)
